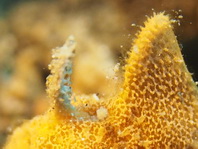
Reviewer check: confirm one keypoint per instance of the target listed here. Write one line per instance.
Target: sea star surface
(155, 107)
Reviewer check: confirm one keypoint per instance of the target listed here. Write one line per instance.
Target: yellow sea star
(156, 107)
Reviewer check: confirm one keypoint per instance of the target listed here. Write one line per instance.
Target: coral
(155, 107)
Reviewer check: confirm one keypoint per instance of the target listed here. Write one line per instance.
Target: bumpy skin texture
(157, 106)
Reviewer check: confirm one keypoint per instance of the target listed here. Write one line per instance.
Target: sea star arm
(159, 99)
(58, 83)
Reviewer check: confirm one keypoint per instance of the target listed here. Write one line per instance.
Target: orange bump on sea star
(156, 107)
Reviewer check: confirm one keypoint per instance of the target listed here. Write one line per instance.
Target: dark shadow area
(190, 53)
